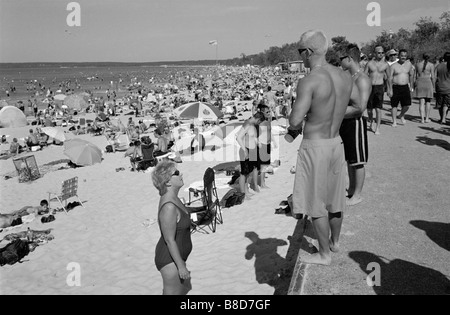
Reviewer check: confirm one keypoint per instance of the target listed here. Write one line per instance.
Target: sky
(177, 30)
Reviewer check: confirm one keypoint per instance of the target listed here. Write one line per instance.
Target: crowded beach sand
(112, 238)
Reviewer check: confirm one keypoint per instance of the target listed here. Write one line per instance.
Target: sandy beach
(115, 250)
(254, 251)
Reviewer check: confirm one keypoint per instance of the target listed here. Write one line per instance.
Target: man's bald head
(314, 40)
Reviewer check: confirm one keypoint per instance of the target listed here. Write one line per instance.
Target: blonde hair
(316, 41)
(162, 174)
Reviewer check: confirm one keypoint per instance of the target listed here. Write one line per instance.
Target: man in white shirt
(391, 57)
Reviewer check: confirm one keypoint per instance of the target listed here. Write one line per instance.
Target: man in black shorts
(353, 129)
(247, 138)
(378, 72)
(401, 78)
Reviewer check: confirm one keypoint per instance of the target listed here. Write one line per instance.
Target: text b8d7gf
(247, 304)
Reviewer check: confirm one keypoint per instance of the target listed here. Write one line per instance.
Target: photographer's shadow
(270, 267)
(401, 277)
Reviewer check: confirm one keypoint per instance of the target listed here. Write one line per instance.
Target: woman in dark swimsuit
(175, 244)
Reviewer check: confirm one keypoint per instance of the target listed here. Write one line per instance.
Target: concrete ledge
(299, 273)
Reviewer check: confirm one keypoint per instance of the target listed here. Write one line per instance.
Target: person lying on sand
(7, 220)
(41, 209)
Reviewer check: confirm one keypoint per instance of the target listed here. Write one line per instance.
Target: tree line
(428, 36)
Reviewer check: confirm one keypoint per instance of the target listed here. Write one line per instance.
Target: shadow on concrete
(434, 142)
(401, 277)
(438, 232)
(442, 131)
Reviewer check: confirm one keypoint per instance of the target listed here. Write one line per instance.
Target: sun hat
(392, 52)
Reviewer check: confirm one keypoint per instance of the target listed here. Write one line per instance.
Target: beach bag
(47, 219)
(13, 252)
(224, 199)
(236, 199)
(234, 178)
(232, 198)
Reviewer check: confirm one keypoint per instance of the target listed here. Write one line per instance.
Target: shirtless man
(32, 139)
(319, 187)
(353, 130)
(378, 71)
(401, 78)
(7, 219)
(265, 143)
(272, 101)
(247, 138)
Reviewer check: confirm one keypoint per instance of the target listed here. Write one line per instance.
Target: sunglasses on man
(176, 173)
(302, 50)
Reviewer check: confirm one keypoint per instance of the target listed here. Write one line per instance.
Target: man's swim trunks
(401, 94)
(319, 186)
(353, 132)
(376, 97)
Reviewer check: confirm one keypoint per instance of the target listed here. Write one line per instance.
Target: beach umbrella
(75, 101)
(59, 97)
(198, 110)
(55, 133)
(12, 117)
(82, 152)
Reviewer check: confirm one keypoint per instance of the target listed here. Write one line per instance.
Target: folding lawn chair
(69, 189)
(210, 213)
(148, 159)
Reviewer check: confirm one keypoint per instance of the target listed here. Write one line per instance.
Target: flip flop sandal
(281, 207)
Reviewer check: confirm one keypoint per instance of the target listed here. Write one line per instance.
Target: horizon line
(133, 62)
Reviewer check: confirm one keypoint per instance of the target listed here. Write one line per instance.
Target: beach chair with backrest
(210, 214)
(148, 159)
(69, 189)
